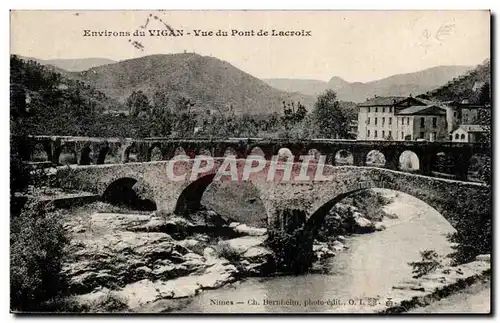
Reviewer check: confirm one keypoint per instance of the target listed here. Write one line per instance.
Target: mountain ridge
(72, 64)
(402, 84)
(207, 81)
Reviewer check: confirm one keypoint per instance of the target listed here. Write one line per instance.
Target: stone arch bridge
(87, 151)
(315, 195)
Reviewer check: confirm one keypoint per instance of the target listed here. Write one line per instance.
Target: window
(368, 134)
(402, 135)
(402, 121)
(408, 120)
(375, 120)
(454, 114)
(390, 121)
(383, 120)
(376, 110)
(383, 110)
(421, 135)
(422, 122)
(368, 120)
(390, 109)
(434, 122)
(369, 110)
(375, 134)
(390, 134)
(462, 136)
(456, 136)
(383, 134)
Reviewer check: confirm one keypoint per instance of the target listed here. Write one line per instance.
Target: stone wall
(449, 197)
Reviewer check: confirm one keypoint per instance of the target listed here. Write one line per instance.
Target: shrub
(292, 250)
(37, 242)
(429, 263)
(108, 303)
(224, 250)
(473, 236)
(369, 202)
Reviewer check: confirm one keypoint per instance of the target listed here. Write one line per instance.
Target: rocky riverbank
(436, 285)
(143, 258)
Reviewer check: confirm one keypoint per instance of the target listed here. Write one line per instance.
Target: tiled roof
(473, 128)
(419, 109)
(381, 101)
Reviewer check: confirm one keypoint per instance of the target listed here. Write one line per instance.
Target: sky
(358, 46)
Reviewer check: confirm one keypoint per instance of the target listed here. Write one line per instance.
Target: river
(369, 268)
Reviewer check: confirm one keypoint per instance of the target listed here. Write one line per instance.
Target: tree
(331, 120)
(137, 102)
(301, 112)
(484, 94)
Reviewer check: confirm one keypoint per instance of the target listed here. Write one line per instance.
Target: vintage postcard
(237, 162)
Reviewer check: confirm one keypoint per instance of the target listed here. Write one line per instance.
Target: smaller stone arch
(179, 151)
(67, 154)
(230, 151)
(315, 153)
(285, 154)
(85, 155)
(375, 158)
(256, 150)
(409, 161)
(155, 153)
(479, 169)
(205, 152)
(39, 153)
(442, 164)
(130, 154)
(343, 157)
(102, 154)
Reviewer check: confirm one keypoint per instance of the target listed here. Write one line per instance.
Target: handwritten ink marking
(430, 39)
(169, 32)
(444, 31)
(426, 42)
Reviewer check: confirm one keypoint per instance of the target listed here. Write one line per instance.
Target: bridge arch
(256, 150)
(190, 198)
(204, 151)
(442, 164)
(479, 168)
(253, 211)
(67, 154)
(315, 220)
(458, 202)
(85, 157)
(409, 161)
(155, 153)
(40, 153)
(315, 153)
(375, 158)
(179, 151)
(344, 157)
(130, 153)
(230, 151)
(129, 192)
(102, 153)
(284, 154)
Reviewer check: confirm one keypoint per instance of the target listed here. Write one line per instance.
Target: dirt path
(474, 299)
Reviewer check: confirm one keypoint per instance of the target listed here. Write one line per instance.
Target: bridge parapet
(90, 150)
